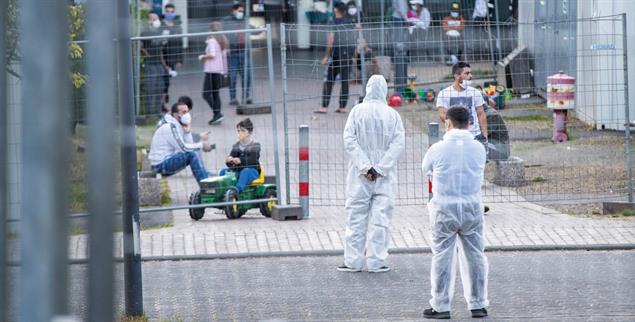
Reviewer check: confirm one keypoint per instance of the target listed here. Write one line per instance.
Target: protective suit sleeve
(397, 144)
(354, 150)
(428, 162)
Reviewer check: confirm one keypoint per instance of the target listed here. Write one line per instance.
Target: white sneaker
(344, 268)
(382, 269)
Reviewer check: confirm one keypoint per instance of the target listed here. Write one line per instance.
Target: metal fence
(417, 62)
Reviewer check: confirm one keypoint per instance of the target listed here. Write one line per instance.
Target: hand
(178, 65)
(187, 128)
(229, 160)
(201, 57)
(206, 147)
(372, 174)
(325, 60)
(205, 136)
(236, 160)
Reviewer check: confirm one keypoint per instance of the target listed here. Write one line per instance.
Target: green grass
(74, 231)
(528, 118)
(537, 179)
(165, 193)
(628, 212)
(161, 226)
(126, 318)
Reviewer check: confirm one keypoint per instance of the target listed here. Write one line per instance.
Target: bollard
(433, 137)
(303, 168)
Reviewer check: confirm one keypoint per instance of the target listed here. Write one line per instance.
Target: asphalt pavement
(523, 286)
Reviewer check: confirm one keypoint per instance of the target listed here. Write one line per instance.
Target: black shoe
(233, 102)
(216, 119)
(432, 314)
(248, 101)
(344, 268)
(479, 313)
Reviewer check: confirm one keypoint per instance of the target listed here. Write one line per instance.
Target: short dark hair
(459, 116)
(238, 5)
(175, 107)
(457, 69)
(187, 101)
(246, 124)
(170, 5)
(341, 7)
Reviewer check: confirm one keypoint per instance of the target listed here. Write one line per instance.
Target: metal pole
(133, 291)
(4, 151)
(137, 63)
(100, 183)
(362, 54)
(433, 137)
(246, 72)
(498, 32)
(283, 58)
(382, 5)
(303, 169)
(627, 116)
(45, 148)
(274, 112)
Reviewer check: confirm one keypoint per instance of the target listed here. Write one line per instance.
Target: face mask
(186, 119)
(239, 15)
(413, 7)
(169, 16)
(352, 11)
(465, 83)
(156, 23)
(454, 14)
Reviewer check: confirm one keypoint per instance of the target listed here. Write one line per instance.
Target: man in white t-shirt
(461, 93)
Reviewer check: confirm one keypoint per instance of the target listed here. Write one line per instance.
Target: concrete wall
(600, 85)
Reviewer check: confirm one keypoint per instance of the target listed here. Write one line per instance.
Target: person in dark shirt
(154, 67)
(340, 46)
(173, 52)
(244, 158)
(238, 58)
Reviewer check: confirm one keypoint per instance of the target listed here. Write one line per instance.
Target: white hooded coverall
(373, 137)
(456, 211)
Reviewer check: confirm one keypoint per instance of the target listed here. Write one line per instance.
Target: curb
(413, 250)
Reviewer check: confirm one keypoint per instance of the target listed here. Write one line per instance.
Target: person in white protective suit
(374, 139)
(456, 212)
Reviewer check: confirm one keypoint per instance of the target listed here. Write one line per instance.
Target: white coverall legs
(446, 229)
(368, 211)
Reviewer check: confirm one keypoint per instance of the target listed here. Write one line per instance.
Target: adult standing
(462, 94)
(154, 67)
(174, 46)
(453, 26)
(215, 67)
(239, 62)
(374, 139)
(456, 212)
(340, 46)
(400, 40)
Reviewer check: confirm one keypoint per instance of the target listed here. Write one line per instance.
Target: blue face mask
(169, 16)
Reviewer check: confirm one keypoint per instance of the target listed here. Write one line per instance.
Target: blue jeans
(245, 177)
(181, 160)
(237, 66)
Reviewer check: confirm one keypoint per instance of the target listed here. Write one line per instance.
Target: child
(244, 156)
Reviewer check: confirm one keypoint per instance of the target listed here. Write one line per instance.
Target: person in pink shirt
(215, 68)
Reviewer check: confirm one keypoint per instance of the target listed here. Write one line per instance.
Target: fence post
(627, 116)
(101, 67)
(303, 169)
(133, 292)
(4, 151)
(43, 282)
(274, 111)
(433, 137)
(283, 58)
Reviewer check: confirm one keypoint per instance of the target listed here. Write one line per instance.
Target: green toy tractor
(222, 189)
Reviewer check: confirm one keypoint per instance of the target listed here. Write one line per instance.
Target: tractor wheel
(267, 208)
(195, 199)
(232, 211)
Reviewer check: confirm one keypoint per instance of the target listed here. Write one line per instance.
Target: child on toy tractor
(244, 158)
(243, 179)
